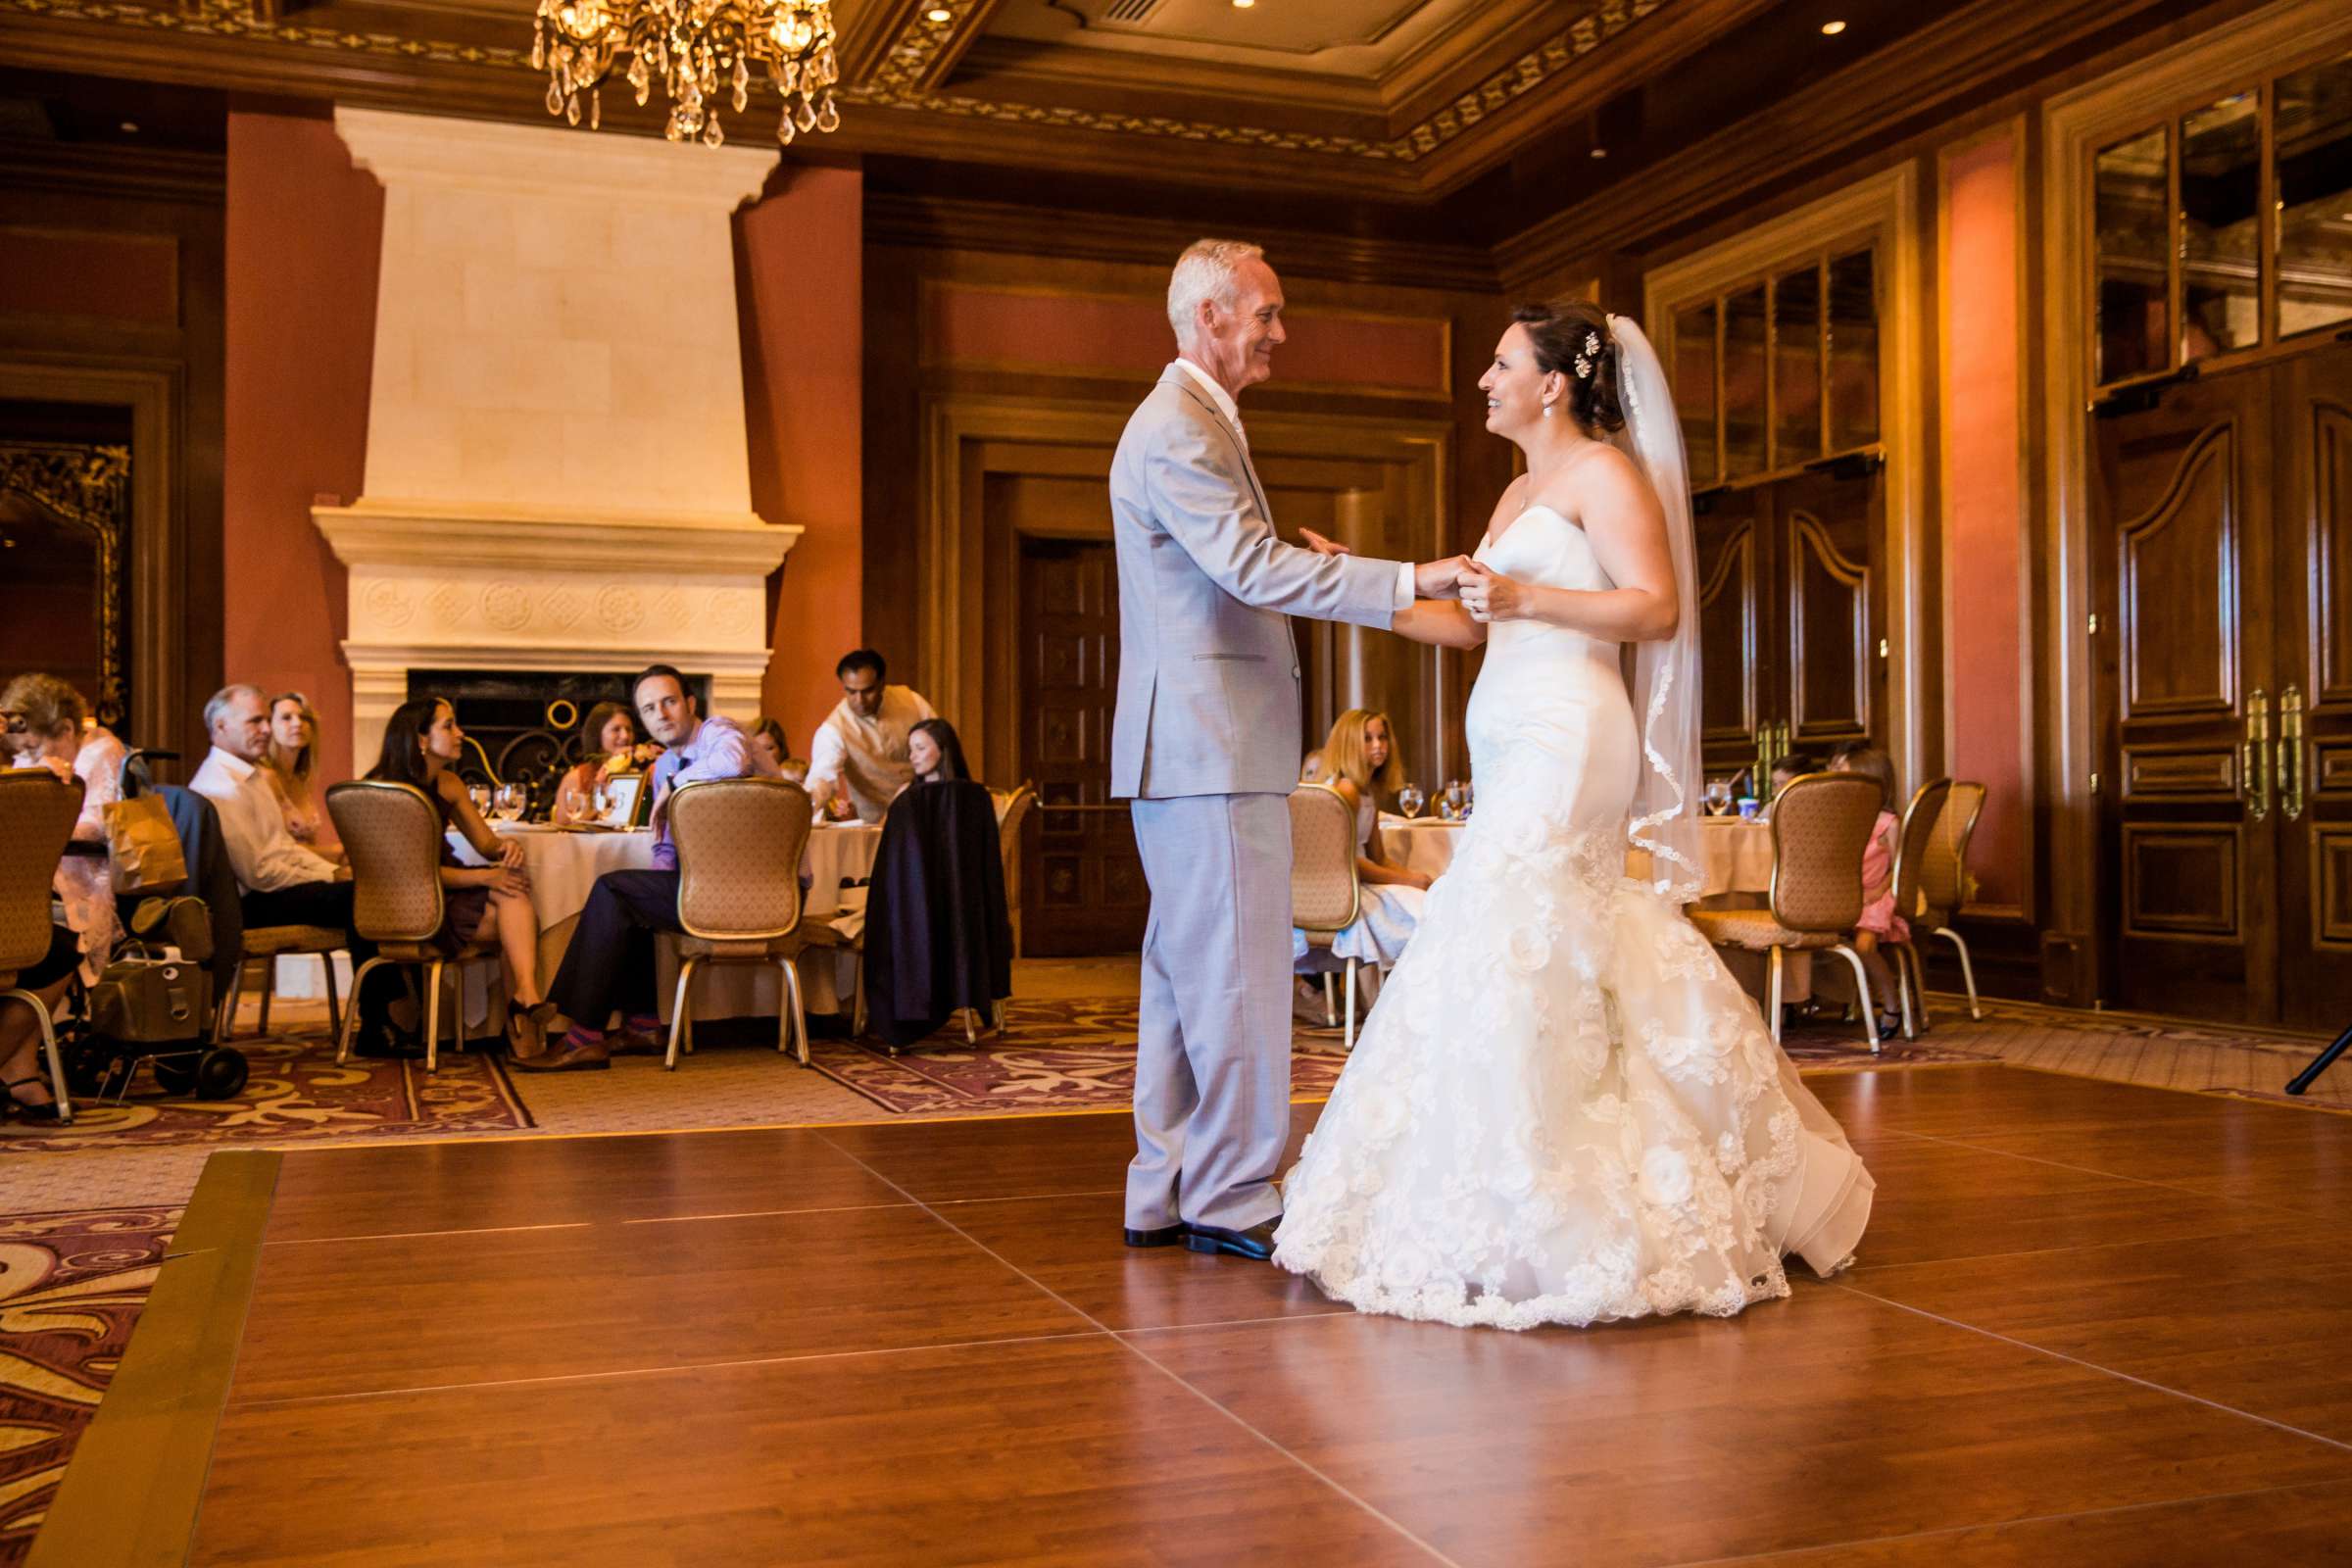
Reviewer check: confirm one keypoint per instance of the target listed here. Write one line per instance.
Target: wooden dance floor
(2093, 1324)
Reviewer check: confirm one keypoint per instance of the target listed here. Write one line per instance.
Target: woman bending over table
(481, 904)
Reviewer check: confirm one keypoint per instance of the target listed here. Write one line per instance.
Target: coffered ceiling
(1395, 99)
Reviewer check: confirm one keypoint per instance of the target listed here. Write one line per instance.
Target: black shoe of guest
(1256, 1242)
(1162, 1236)
(387, 1044)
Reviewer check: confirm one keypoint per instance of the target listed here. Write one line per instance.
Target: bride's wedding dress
(1563, 1109)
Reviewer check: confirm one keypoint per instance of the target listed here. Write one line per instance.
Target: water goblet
(479, 794)
(1410, 800)
(507, 802)
(1719, 795)
(575, 802)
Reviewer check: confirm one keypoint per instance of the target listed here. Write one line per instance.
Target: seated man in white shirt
(859, 753)
(279, 880)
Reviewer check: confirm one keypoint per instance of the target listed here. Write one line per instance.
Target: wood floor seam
(1182, 1382)
(2094, 1366)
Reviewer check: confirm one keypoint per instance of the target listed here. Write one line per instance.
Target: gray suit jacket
(1208, 672)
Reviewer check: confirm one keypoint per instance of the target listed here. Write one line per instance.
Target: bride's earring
(1547, 411)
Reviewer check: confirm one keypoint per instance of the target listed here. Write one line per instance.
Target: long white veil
(1665, 687)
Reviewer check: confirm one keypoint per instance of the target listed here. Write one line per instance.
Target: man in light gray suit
(1206, 747)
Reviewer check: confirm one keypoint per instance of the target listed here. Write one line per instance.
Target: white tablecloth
(1737, 855)
(1419, 843)
(563, 867)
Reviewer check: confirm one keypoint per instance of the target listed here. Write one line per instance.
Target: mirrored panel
(1694, 389)
(1744, 375)
(2312, 133)
(2131, 243)
(1853, 311)
(2220, 247)
(1796, 366)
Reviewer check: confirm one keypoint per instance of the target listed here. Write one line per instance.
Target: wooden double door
(2222, 543)
(1790, 610)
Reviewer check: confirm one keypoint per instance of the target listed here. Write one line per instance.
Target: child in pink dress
(1881, 921)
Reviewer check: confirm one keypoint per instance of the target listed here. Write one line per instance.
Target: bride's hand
(1490, 596)
(1322, 546)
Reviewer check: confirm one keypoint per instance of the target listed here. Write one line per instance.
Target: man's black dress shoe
(387, 1041)
(1256, 1242)
(1165, 1236)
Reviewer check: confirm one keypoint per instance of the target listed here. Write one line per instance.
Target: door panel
(1828, 536)
(2312, 753)
(2181, 533)
(1082, 885)
(1730, 572)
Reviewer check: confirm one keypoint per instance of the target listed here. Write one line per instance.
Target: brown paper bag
(142, 847)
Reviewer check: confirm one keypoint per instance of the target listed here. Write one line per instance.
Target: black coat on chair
(937, 933)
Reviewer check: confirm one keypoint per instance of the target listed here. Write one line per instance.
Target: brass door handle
(2290, 753)
(2254, 755)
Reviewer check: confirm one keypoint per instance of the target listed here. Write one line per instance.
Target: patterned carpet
(71, 1289)
(1079, 1053)
(296, 1091)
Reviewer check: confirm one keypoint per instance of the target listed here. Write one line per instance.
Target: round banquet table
(564, 865)
(1737, 853)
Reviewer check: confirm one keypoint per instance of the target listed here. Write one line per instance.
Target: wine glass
(506, 803)
(1410, 800)
(1719, 795)
(479, 794)
(576, 803)
(1457, 801)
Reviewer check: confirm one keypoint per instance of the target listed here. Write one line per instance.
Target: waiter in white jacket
(1206, 743)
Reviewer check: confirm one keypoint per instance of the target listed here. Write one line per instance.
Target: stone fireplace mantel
(556, 472)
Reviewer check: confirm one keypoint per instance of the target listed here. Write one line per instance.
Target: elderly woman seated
(48, 726)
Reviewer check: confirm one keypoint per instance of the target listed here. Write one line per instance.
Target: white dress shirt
(1223, 400)
(868, 755)
(266, 856)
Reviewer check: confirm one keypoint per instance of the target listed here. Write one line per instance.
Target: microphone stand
(2320, 1063)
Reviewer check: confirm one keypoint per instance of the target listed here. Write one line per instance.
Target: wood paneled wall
(1008, 364)
(111, 289)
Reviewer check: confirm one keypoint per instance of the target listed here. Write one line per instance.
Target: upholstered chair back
(1920, 818)
(37, 810)
(740, 843)
(1820, 826)
(392, 835)
(1944, 868)
(1323, 886)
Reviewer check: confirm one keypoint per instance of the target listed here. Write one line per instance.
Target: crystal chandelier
(700, 48)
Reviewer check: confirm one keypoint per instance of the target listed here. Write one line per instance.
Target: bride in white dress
(1563, 1109)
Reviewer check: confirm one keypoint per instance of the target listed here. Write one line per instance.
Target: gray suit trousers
(1213, 1070)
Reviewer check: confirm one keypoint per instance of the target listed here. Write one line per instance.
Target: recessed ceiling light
(1831, 30)
(939, 14)
(1243, 5)
(130, 128)
(1600, 152)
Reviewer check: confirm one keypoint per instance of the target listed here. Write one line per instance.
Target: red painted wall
(798, 279)
(305, 231)
(1983, 507)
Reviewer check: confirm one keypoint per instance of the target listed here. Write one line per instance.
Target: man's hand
(1322, 546)
(1439, 579)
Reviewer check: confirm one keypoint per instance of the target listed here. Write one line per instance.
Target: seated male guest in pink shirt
(610, 963)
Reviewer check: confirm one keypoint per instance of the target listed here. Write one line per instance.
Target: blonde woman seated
(1359, 763)
(771, 753)
(609, 745)
(290, 764)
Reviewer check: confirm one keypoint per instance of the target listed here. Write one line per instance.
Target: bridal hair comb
(1583, 361)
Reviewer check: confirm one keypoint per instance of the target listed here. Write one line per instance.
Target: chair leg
(1919, 985)
(679, 1012)
(1902, 988)
(433, 1016)
(783, 1009)
(800, 1014)
(1331, 1004)
(335, 1004)
(269, 991)
(1347, 1039)
(1772, 994)
(857, 1002)
(1870, 1008)
(57, 1064)
(351, 1016)
(228, 1003)
(1968, 970)
(996, 1012)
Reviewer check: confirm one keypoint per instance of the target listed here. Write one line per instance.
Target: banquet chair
(1325, 897)
(1011, 812)
(1821, 823)
(740, 844)
(392, 834)
(1920, 819)
(37, 811)
(1944, 879)
(266, 945)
